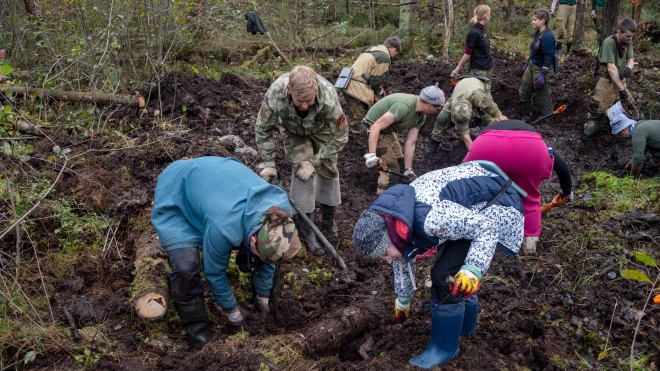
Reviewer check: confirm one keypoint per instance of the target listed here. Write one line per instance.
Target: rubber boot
(328, 219)
(433, 147)
(310, 237)
(194, 321)
(558, 48)
(568, 48)
(446, 323)
(470, 317)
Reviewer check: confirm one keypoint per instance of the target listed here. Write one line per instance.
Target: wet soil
(537, 312)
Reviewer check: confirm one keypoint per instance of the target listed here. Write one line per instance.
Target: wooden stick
(69, 319)
(75, 96)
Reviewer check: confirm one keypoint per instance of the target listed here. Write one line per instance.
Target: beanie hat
(621, 117)
(277, 242)
(433, 95)
(460, 113)
(370, 235)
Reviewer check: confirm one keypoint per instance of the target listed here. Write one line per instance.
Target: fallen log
(149, 290)
(328, 335)
(75, 96)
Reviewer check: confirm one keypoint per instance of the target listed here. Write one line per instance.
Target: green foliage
(620, 195)
(87, 358)
(79, 227)
(633, 274)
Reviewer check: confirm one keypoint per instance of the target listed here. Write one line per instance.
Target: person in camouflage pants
(305, 108)
(616, 64)
(370, 70)
(469, 98)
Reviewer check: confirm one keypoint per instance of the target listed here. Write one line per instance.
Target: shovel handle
(384, 169)
(557, 201)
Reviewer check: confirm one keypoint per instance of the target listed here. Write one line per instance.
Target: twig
(609, 330)
(4, 233)
(351, 40)
(69, 319)
(22, 137)
(639, 321)
(18, 231)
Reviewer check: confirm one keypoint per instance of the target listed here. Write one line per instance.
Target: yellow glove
(466, 284)
(401, 311)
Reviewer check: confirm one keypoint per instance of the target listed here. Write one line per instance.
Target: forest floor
(551, 311)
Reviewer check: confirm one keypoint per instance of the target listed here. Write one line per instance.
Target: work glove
(305, 170)
(261, 304)
(269, 174)
(380, 95)
(466, 284)
(371, 160)
(623, 94)
(454, 73)
(401, 311)
(236, 318)
(593, 14)
(540, 81)
(411, 176)
(627, 72)
(569, 196)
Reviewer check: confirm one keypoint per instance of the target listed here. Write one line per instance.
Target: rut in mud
(534, 310)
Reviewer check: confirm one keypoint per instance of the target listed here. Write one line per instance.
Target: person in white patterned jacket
(466, 211)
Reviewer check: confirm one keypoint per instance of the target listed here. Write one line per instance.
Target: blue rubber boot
(446, 323)
(470, 318)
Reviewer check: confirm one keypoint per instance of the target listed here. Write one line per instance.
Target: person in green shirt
(645, 136)
(597, 7)
(393, 114)
(616, 64)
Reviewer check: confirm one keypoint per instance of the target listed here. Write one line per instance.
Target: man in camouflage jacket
(305, 108)
(370, 70)
(469, 97)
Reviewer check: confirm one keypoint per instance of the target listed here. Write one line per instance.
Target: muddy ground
(547, 312)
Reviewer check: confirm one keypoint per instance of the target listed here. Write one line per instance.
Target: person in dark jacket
(477, 48)
(521, 153)
(539, 69)
(461, 209)
(221, 205)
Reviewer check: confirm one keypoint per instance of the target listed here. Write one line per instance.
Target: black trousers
(185, 278)
(450, 259)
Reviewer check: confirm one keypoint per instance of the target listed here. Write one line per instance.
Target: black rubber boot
(558, 48)
(194, 321)
(310, 237)
(433, 147)
(568, 48)
(328, 218)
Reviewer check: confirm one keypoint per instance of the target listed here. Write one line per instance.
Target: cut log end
(151, 306)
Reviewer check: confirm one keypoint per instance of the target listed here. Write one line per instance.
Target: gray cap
(433, 95)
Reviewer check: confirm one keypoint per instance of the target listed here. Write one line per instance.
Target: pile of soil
(537, 312)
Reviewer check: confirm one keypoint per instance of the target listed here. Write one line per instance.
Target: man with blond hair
(305, 108)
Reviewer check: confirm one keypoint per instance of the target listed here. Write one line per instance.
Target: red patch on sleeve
(341, 122)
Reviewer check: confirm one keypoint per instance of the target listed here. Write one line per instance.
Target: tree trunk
(328, 335)
(404, 18)
(610, 19)
(149, 290)
(75, 96)
(510, 9)
(638, 11)
(29, 7)
(578, 33)
(449, 29)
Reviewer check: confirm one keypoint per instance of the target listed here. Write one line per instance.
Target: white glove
(371, 160)
(305, 170)
(529, 245)
(454, 73)
(269, 174)
(570, 196)
(235, 317)
(261, 304)
(593, 12)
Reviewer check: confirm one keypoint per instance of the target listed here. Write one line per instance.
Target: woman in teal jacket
(221, 205)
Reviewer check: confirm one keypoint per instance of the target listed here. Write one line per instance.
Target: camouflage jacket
(370, 69)
(472, 90)
(277, 109)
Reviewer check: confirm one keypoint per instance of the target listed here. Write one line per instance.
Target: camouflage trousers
(528, 90)
(444, 119)
(389, 150)
(565, 23)
(598, 22)
(483, 73)
(356, 111)
(604, 96)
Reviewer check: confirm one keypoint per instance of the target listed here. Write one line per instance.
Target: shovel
(559, 200)
(559, 110)
(382, 168)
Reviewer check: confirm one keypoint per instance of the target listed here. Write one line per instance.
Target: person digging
(466, 211)
(221, 205)
(305, 108)
(389, 116)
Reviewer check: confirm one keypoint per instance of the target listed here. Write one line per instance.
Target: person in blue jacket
(221, 205)
(466, 211)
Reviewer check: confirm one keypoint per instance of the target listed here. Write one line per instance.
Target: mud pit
(535, 311)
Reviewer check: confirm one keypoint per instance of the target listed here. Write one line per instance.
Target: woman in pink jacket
(522, 154)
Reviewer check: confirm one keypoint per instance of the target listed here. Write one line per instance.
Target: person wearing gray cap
(645, 134)
(467, 211)
(389, 116)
